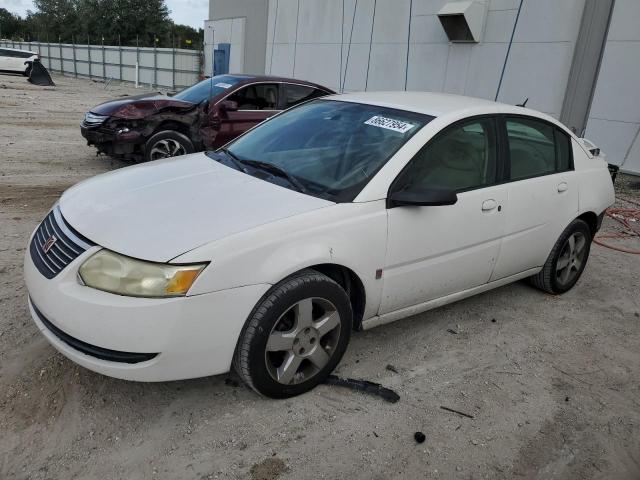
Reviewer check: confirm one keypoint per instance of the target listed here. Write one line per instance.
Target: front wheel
(295, 336)
(567, 259)
(165, 144)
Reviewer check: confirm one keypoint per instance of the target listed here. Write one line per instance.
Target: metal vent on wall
(463, 21)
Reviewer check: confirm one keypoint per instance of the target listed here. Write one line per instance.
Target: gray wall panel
(105, 62)
(538, 67)
(255, 11)
(614, 119)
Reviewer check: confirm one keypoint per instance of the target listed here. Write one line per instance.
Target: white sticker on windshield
(390, 124)
(223, 85)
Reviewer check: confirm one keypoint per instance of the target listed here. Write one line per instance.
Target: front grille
(56, 244)
(94, 351)
(93, 120)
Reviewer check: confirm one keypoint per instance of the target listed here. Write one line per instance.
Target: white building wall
(228, 30)
(614, 119)
(313, 39)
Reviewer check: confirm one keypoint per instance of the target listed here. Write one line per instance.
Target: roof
(271, 78)
(429, 103)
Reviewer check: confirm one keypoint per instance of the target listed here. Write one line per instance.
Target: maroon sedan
(204, 116)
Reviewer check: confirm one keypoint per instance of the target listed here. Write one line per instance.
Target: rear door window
(259, 96)
(23, 54)
(295, 94)
(536, 148)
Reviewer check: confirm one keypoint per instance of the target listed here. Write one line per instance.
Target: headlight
(115, 273)
(93, 119)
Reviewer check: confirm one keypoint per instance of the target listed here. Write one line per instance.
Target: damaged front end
(112, 136)
(121, 128)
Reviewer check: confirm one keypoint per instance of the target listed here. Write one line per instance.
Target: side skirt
(439, 302)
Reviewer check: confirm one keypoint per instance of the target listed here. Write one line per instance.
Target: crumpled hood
(140, 106)
(159, 210)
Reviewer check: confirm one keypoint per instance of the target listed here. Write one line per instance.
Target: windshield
(208, 88)
(332, 148)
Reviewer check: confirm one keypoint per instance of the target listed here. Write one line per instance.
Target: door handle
(489, 205)
(562, 187)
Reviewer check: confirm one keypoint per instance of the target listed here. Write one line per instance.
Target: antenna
(213, 57)
(523, 104)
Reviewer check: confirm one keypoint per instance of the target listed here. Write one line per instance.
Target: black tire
(252, 358)
(170, 138)
(549, 279)
(27, 71)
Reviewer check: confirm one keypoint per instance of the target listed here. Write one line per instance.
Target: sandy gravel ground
(552, 383)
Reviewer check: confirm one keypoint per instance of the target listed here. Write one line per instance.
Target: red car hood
(140, 106)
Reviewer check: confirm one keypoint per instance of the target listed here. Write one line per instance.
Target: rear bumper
(142, 339)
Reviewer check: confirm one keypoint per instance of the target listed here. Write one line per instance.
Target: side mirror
(422, 198)
(229, 106)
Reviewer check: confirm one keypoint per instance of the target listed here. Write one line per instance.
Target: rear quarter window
(295, 94)
(564, 153)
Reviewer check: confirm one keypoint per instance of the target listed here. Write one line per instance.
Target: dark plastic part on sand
(38, 75)
(364, 386)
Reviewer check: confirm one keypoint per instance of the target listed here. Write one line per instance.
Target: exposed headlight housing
(94, 119)
(115, 273)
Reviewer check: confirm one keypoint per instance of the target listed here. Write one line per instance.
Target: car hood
(140, 106)
(159, 210)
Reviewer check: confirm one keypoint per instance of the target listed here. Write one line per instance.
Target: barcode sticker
(223, 85)
(390, 124)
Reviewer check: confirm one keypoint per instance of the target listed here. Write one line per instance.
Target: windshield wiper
(235, 160)
(275, 169)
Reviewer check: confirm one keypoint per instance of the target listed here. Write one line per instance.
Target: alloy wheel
(571, 258)
(302, 341)
(167, 148)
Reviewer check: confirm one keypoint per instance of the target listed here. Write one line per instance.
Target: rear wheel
(295, 336)
(165, 144)
(567, 260)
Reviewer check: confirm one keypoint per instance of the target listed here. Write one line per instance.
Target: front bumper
(110, 142)
(187, 337)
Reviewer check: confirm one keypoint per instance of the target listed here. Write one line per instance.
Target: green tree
(111, 21)
(11, 25)
(53, 18)
(185, 36)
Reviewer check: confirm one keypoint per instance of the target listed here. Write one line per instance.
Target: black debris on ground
(364, 386)
(452, 410)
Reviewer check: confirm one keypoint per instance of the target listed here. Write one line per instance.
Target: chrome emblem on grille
(49, 243)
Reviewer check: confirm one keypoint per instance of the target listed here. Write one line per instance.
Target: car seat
(271, 98)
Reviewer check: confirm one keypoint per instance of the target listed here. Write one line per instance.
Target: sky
(187, 12)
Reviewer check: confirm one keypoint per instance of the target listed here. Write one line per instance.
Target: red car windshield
(208, 88)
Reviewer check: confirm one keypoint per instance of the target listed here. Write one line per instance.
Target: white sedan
(14, 60)
(340, 214)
